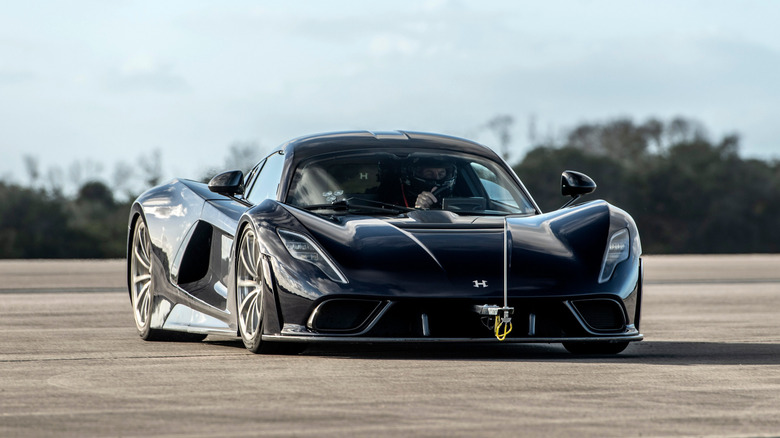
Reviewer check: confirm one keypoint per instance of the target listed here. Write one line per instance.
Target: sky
(101, 84)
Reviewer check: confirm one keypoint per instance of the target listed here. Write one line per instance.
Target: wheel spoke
(248, 258)
(253, 317)
(141, 278)
(250, 318)
(141, 257)
(142, 300)
(255, 260)
(145, 307)
(250, 300)
(242, 282)
(243, 260)
(142, 244)
(250, 255)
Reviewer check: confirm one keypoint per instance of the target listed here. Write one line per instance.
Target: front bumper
(541, 320)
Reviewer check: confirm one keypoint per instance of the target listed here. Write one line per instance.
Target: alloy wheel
(248, 289)
(141, 275)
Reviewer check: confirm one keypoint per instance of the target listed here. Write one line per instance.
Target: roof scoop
(389, 135)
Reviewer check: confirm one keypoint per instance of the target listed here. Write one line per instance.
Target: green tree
(32, 224)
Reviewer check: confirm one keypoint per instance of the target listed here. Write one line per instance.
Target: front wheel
(249, 299)
(595, 347)
(249, 288)
(141, 292)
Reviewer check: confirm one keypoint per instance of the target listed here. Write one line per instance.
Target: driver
(427, 181)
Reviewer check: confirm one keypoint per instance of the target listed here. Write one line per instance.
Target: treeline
(83, 216)
(687, 193)
(36, 223)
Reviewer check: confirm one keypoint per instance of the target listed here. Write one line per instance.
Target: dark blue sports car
(382, 237)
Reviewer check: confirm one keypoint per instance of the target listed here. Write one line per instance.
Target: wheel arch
(270, 295)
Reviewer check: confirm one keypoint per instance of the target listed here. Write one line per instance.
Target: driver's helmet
(425, 173)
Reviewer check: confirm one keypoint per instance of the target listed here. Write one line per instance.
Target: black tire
(595, 347)
(140, 270)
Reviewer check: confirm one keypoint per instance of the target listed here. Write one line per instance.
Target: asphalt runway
(71, 365)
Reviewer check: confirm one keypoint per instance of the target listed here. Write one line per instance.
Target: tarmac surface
(72, 365)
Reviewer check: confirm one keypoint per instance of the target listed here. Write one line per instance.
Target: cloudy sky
(109, 82)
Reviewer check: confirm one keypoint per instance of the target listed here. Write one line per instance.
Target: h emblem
(478, 283)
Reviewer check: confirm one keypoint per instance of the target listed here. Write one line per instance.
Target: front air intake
(342, 315)
(601, 315)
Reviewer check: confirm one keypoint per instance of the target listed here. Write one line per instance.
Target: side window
(498, 193)
(267, 181)
(492, 184)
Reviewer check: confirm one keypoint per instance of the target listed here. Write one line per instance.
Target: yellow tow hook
(504, 321)
(502, 324)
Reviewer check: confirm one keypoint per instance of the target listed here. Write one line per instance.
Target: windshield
(385, 182)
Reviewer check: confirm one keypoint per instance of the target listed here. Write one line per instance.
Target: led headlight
(617, 251)
(303, 248)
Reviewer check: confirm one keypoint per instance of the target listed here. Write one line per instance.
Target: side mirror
(228, 183)
(575, 184)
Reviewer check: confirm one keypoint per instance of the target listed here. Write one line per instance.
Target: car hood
(442, 254)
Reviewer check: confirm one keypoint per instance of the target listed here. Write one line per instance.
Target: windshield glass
(372, 182)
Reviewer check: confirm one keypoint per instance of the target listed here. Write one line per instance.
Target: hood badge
(478, 283)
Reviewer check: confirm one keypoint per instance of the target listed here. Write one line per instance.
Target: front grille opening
(601, 314)
(343, 315)
(457, 319)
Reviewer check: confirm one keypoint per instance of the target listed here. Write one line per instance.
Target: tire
(142, 288)
(595, 347)
(249, 291)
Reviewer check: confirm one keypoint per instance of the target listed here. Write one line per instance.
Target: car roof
(308, 146)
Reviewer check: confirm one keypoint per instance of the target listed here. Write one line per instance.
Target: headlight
(303, 248)
(617, 251)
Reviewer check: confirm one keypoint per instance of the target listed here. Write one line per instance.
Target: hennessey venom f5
(382, 237)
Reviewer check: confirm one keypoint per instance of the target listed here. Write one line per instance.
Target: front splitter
(348, 340)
